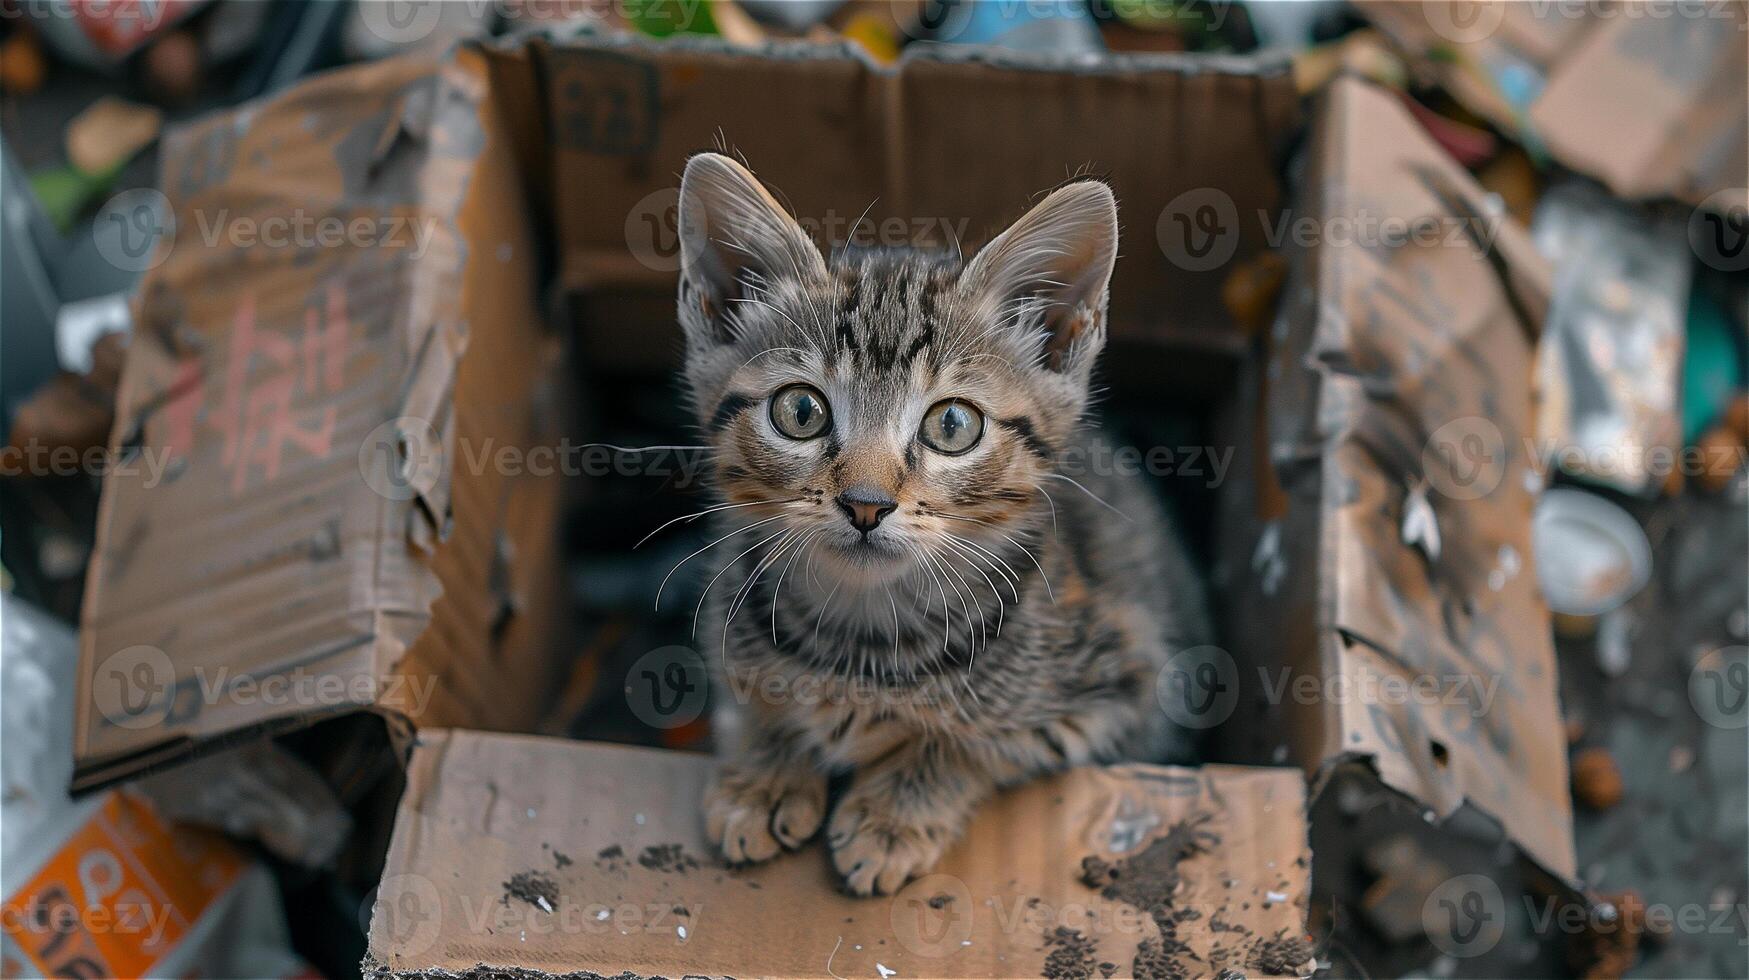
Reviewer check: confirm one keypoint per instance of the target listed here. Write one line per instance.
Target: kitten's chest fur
(1034, 650)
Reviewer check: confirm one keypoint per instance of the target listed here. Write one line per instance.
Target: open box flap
(1651, 102)
(303, 363)
(1397, 409)
(943, 149)
(548, 856)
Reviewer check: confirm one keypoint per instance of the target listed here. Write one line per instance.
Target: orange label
(119, 894)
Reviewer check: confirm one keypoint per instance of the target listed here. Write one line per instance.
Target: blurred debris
(1611, 354)
(1362, 53)
(103, 36)
(1597, 779)
(74, 873)
(1653, 106)
(1712, 364)
(1404, 874)
(73, 411)
(1252, 288)
(370, 29)
(1614, 928)
(256, 791)
(109, 132)
(22, 65)
(1591, 556)
(173, 68)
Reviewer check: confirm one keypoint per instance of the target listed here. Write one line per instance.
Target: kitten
(915, 597)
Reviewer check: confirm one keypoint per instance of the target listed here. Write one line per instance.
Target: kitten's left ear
(1061, 254)
(732, 232)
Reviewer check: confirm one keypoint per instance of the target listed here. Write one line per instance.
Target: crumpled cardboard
(1380, 531)
(344, 296)
(543, 856)
(1648, 98)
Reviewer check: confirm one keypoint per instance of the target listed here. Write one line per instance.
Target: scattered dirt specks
(1071, 956)
(1280, 954)
(667, 857)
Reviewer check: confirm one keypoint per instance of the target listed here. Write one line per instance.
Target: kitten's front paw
(877, 850)
(751, 815)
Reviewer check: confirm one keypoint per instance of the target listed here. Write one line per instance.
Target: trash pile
(327, 328)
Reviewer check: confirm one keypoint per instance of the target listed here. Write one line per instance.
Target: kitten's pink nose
(865, 506)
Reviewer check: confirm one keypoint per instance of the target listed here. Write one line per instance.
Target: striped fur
(1001, 622)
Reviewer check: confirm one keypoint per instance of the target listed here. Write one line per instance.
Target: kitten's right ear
(732, 233)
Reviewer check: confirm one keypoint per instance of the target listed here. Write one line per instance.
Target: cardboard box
(555, 857)
(570, 152)
(1647, 98)
(346, 290)
(1381, 528)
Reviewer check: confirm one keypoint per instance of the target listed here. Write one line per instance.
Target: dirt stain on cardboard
(534, 887)
(1147, 880)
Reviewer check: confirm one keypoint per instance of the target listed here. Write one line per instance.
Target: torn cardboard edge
(527, 856)
(1374, 567)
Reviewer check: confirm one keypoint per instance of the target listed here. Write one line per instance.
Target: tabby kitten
(915, 596)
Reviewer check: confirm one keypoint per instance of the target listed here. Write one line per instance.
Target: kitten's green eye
(951, 427)
(800, 412)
